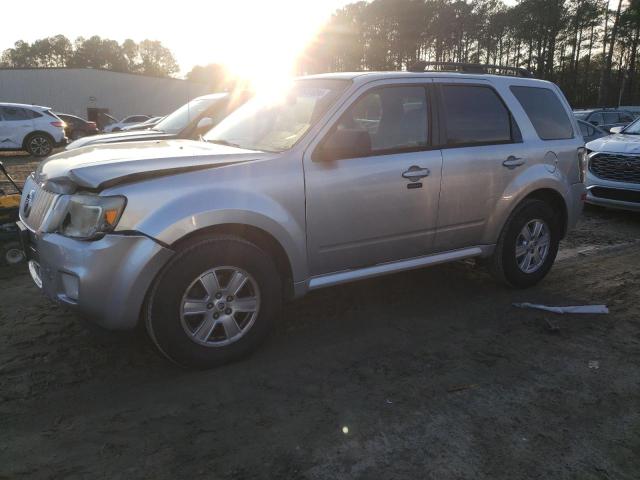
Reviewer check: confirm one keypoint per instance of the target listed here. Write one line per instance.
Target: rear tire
(39, 144)
(527, 246)
(194, 314)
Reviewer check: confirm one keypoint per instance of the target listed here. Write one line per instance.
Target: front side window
(275, 123)
(475, 114)
(395, 118)
(625, 117)
(548, 116)
(14, 114)
(586, 130)
(611, 117)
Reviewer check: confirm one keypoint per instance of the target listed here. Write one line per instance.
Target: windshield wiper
(224, 142)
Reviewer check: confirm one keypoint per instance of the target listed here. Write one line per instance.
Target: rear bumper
(105, 280)
(575, 204)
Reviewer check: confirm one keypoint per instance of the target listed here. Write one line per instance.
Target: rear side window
(475, 115)
(12, 114)
(545, 111)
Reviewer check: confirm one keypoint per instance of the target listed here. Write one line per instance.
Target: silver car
(336, 178)
(613, 177)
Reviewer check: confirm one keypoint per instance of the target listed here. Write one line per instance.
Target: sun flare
(263, 40)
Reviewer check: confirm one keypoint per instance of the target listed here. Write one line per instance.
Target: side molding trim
(337, 278)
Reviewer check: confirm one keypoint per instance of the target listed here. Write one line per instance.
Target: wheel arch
(557, 203)
(31, 134)
(259, 237)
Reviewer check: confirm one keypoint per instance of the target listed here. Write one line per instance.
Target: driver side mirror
(616, 129)
(204, 123)
(345, 143)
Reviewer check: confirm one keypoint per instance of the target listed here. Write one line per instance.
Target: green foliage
(559, 40)
(149, 57)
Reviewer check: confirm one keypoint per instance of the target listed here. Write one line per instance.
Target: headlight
(90, 216)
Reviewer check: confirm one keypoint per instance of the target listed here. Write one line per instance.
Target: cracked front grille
(35, 204)
(620, 168)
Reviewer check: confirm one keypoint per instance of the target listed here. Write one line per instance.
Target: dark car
(189, 121)
(76, 127)
(605, 118)
(590, 132)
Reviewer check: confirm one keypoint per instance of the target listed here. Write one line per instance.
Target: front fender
(537, 177)
(269, 197)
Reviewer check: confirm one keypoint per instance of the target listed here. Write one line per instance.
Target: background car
(76, 127)
(613, 175)
(126, 122)
(605, 118)
(152, 122)
(189, 121)
(31, 128)
(591, 132)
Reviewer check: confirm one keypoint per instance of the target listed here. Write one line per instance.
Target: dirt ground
(429, 374)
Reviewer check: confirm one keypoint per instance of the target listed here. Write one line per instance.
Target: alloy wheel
(220, 306)
(532, 245)
(39, 146)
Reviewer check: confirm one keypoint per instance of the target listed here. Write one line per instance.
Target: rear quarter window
(544, 109)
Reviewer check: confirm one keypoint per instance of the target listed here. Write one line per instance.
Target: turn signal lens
(110, 216)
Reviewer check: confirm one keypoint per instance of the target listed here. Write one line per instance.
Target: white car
(125, 122)
(31, 128)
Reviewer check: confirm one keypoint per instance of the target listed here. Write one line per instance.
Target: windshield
(275, 126)
(633, 128)
(177, 121)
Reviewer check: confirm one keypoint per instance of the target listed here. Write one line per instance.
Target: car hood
(101, 166)
(132, 136)
(617, 143)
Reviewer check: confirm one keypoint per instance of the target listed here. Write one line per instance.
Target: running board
(331, 279)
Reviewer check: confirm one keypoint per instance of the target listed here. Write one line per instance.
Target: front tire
(215, 302)
(39, 144)
(527, 246)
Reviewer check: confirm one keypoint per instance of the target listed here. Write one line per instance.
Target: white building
(86, 91)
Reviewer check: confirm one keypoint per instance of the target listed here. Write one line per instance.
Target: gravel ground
(424, 374)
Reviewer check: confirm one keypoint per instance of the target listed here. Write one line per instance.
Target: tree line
(588, 47)
(149, 57)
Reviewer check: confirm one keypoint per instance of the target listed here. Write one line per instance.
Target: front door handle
(512, 162)
(415, 173)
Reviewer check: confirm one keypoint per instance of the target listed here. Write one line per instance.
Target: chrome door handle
(415, 173)
(512, 162)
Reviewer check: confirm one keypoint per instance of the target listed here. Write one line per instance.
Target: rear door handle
(512, 162)
(415, 173)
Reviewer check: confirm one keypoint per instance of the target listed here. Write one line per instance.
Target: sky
(197, 32)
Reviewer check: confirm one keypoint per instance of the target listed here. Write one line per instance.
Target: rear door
(380, 206)
(482, 151)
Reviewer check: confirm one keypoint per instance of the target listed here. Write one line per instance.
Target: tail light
(583, 159)
(58, 124)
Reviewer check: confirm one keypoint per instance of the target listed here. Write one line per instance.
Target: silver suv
(336, 178)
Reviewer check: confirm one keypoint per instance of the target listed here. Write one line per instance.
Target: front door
(381, 205)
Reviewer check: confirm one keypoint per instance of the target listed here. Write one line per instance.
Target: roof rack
(476, 68)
